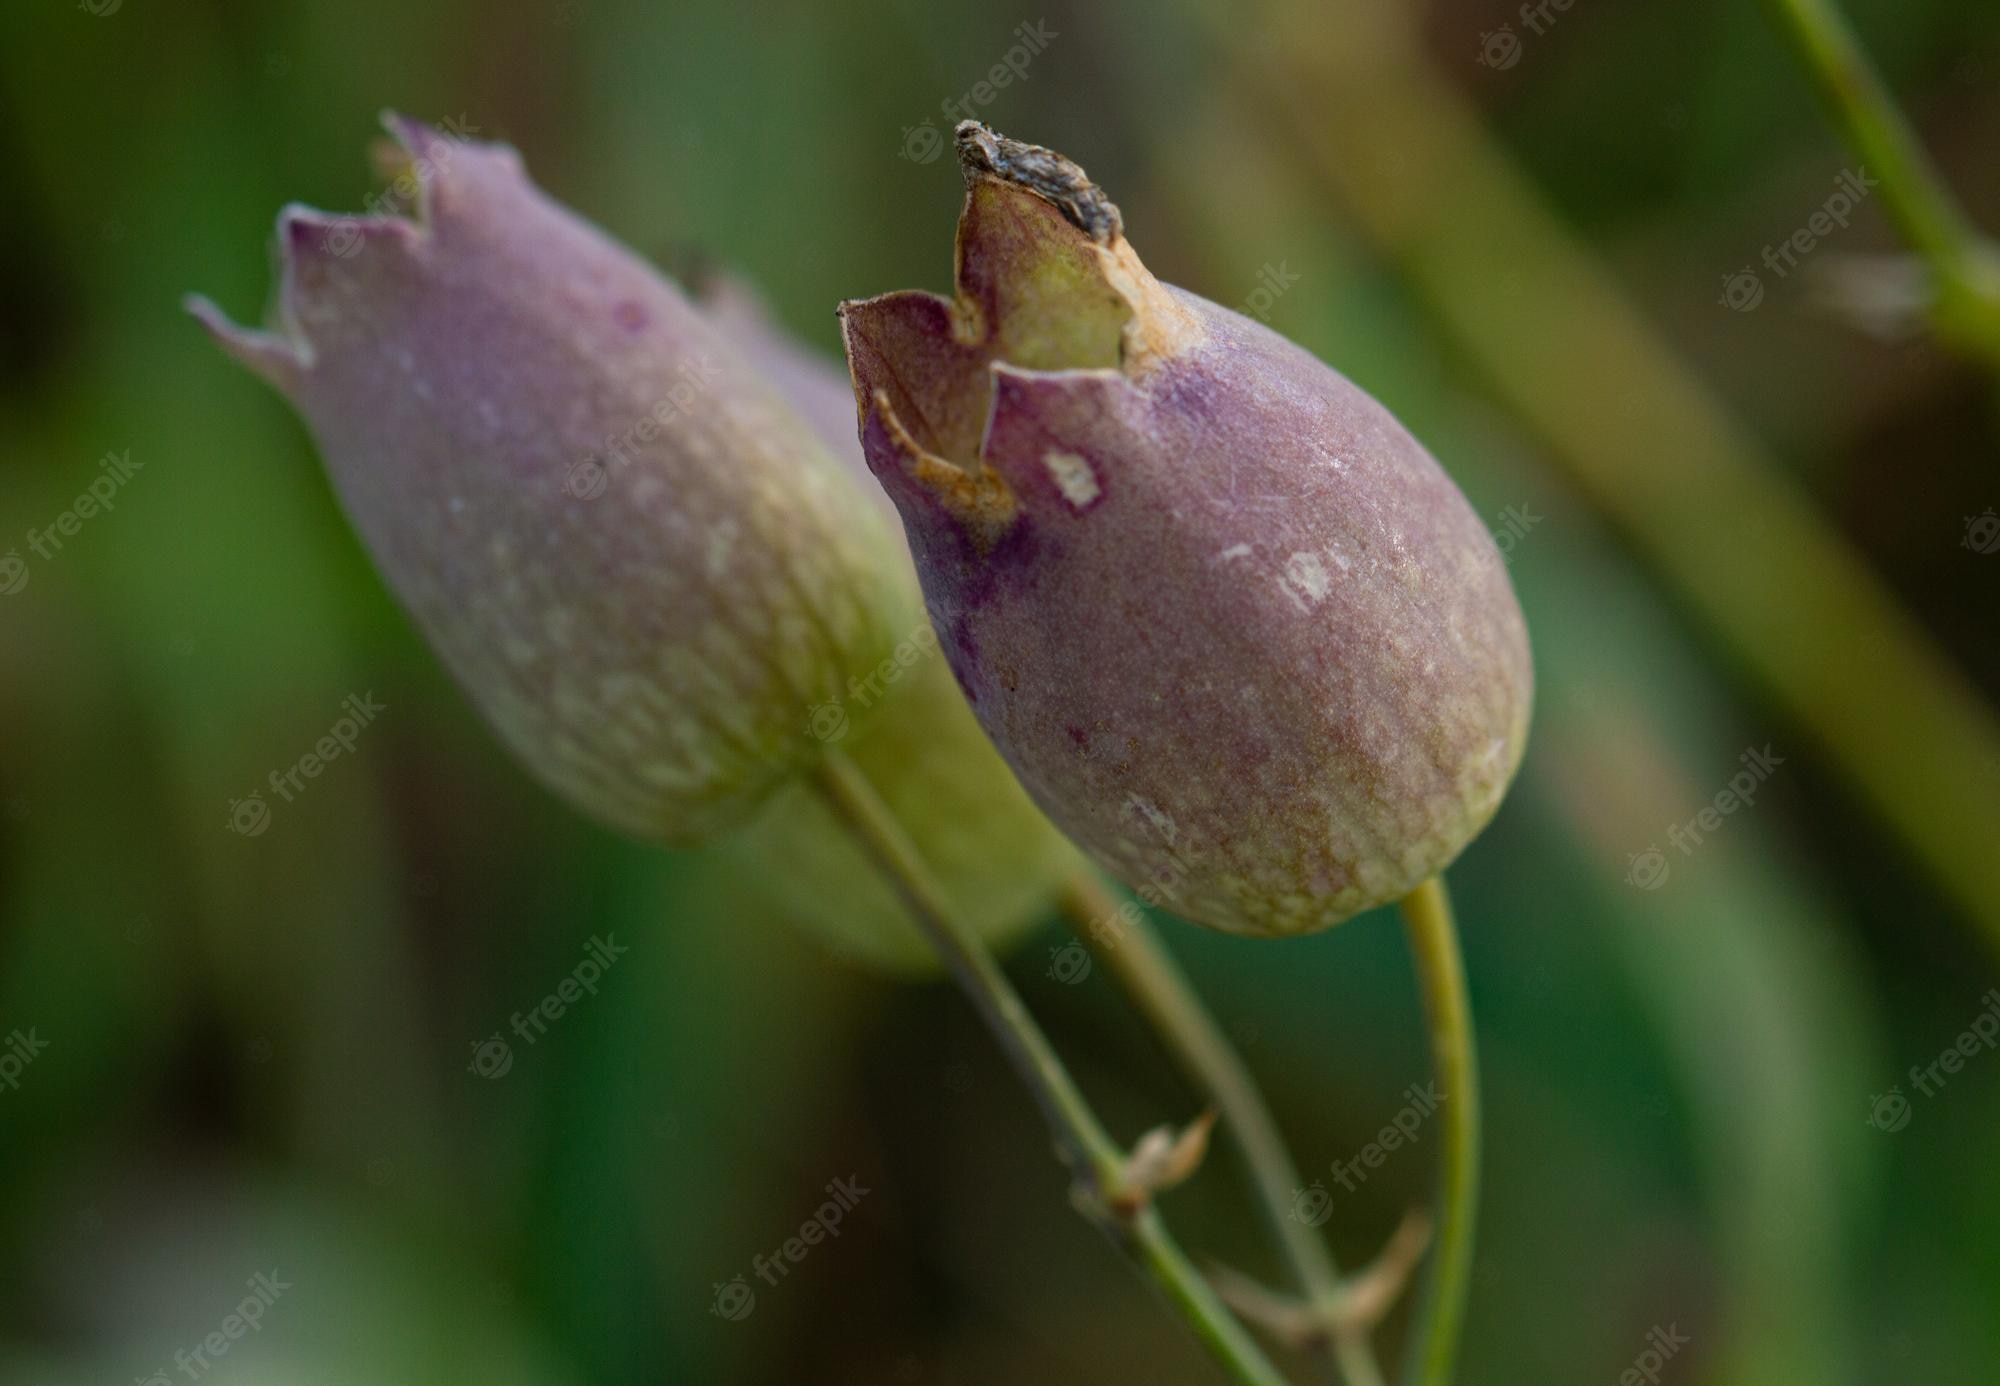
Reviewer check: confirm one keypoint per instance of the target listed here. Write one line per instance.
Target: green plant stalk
(1968, 307)
(1791, 602)
(1433, 934)
(1095, 1160)
(1138, 957)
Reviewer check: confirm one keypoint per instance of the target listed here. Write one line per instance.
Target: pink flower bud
(636, 559)
(1235, 630)
(998, 859)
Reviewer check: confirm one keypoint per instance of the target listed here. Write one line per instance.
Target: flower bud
(998, 860)
(636, 559)
(1235, 630)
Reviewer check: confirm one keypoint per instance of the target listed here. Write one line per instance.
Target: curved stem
(1875, 127)
(1912, 190)
(1098, 1164)
(1133, 950)
(1441, 974)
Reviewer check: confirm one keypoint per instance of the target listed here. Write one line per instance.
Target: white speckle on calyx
(1306, 579)
(1073, 477)
(456, 505)
(721, 543)
(1234, 551)
(1160, 821)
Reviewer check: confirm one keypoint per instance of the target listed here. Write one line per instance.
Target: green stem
(1433, 938)
(1139, 959)
(1096, 1161)
(1913, 192)
(1351, 87)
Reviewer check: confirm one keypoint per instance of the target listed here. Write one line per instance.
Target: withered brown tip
(982, 150)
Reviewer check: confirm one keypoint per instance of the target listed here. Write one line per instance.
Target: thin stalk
(1150, 976)
(1433, 938)
(1912, 190)
(1796, 608)
(1132, 1224)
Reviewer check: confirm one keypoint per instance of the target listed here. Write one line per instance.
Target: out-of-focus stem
(1791, 602)
(1135, 954)
(1131, 1222)
(1962, 262)
(1433, 939)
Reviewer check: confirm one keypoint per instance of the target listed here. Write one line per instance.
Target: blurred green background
(254, 1053)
